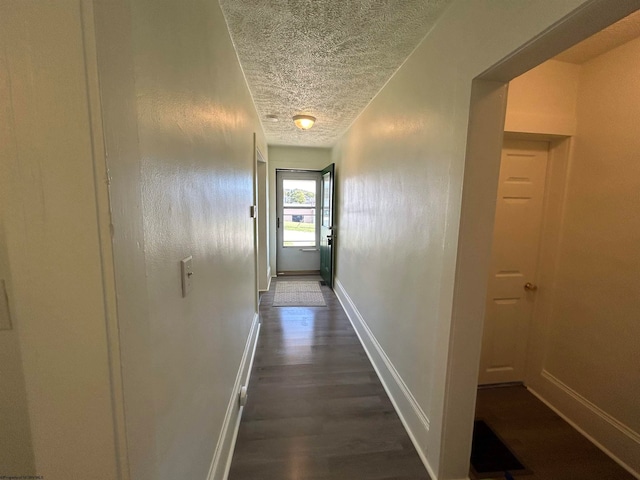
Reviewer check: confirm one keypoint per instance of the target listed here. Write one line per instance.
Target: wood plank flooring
(541, 439)
(316, 409)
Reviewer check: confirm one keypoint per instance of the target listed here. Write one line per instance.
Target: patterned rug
(298, 294)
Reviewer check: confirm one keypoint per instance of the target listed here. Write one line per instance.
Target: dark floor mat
(490, 457)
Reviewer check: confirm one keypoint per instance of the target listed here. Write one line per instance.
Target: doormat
(298, 294)
(490, 457)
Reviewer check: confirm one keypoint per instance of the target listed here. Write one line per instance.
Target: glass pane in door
(326, 200)
(299, 213)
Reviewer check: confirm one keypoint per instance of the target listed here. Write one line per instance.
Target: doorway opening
(304, 222)
(298, 218)
(260, 216)
(612, 429)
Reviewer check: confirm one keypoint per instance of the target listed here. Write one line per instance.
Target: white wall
(303, 158)
(179, 124)
(587, 337)
(153, 93)
(543, 100)
(52, 240)
(400, 180)
(16, 451)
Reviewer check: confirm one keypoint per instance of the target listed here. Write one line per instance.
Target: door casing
(301, 260)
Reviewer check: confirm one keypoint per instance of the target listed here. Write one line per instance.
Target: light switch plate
(5, 315)
(186, 270)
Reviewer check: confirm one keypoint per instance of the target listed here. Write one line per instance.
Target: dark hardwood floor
(547, 445)
(316, 409)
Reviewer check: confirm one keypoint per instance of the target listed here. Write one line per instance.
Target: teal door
(327, 237)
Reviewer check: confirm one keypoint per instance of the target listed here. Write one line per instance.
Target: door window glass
(299, 213)
(326, 200)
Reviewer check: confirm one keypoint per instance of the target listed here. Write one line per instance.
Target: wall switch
(186, 270)
(5, 315)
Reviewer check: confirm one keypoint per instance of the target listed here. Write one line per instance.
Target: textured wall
(325, 59)
(180, 153)
(400, 179)
(50, 217)
(16, 452)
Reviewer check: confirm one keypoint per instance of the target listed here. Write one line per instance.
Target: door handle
(530, 286)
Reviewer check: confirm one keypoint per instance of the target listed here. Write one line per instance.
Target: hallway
(139, 219)
(316, 409)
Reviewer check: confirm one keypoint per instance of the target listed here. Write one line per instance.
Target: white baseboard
(223, 455)
(413, 418)
(617, 440)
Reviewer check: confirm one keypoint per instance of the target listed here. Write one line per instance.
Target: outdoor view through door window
(299, 213)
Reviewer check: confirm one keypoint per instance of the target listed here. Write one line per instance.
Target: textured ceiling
(326, 58)
(611, 37)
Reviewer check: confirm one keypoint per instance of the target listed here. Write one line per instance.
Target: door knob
(530, 286)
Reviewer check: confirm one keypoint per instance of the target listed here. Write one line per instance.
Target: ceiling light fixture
(304, 122)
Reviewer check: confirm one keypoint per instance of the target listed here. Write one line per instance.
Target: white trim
(103, 214)
(415, 421)
(621, 427)
(269, 279)
(591, 421)
(259, 156)
(223, 455)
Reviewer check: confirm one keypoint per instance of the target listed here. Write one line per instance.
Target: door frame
(253, 213)
(278, 230)
(263, 267)
(260, 222)
(328, 232)
(458, 384)
(558, 164)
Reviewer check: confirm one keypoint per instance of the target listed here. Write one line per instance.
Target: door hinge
(278, 222)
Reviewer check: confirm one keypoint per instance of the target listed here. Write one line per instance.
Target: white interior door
(298, 220)
(516, 238)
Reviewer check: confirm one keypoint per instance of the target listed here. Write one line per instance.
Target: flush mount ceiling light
(304, 122)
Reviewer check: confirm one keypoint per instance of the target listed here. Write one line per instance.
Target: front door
(511, 288)
(297, 221)
(327, 237)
